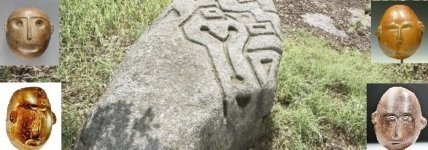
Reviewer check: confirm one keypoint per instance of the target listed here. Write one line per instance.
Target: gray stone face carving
(201, 77)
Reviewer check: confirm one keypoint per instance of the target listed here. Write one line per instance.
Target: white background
(53, 90)
(416, 146)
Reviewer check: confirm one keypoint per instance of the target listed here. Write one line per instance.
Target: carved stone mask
(28, 31)
(400, 32)
(398, 119)
(29, 118)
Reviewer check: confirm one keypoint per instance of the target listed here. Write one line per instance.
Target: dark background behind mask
(375, 92)
(51, 55)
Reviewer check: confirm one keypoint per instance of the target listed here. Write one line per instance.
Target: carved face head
(29, 118)
(400, 32)
(28, 31)
(398, 119)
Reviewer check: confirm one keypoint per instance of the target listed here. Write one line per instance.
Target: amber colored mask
(29, 118)
(28, 31)
(398, 119)
(400, 32)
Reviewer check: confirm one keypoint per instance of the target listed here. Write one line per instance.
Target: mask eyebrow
(388, 114)
(14, 18)
(407, 22)
(393, 25)
(406, 114)
(43, 18)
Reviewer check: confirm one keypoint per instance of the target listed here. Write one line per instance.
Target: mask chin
(26, 51)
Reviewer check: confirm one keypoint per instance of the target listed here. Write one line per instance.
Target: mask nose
(35, 129)
(29, 34)
(399, 35)
(396, 135)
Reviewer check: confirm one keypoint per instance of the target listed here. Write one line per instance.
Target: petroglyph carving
(225, 39)
(244, 51)
(245, 1)
(265, 65)
(238, 5)
(205, 70)
(261, 29)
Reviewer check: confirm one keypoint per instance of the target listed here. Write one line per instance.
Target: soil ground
(353, 17)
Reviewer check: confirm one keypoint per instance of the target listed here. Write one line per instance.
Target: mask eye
(393, 27)
(26, 106)
(406, 26)
(40, 24)
(19, 23)
(390, 118)
(407, 118)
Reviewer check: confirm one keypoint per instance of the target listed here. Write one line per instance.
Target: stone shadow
(265, 142)
(211, 139)
(113, 121)
(228, 132)
(143, 125)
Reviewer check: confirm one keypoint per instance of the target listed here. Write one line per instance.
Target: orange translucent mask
(400, 32)
(29, 118)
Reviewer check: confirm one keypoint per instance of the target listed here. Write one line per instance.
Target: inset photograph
(397, 116)
(398, 32)
(30, 116)
(30, 32)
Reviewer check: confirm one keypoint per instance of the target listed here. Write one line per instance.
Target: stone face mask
(29, 118)
(398, 119)
(400, 32)
(28, 31)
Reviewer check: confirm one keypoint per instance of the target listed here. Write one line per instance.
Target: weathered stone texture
(201, 77)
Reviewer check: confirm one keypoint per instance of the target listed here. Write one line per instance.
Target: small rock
(323, 22)
(359, 15)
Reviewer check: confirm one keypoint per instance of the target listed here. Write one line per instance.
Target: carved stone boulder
(201, 77)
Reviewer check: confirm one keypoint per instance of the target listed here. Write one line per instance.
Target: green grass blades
(321, 94)
(94, 38)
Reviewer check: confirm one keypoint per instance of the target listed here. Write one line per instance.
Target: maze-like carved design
(243, 42)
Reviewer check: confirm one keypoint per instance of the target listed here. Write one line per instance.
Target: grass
(94, 38)
(321, 102)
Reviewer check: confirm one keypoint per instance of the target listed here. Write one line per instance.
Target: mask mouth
(29, 48)
(32, 142)
(399, 43)
(395, 143)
